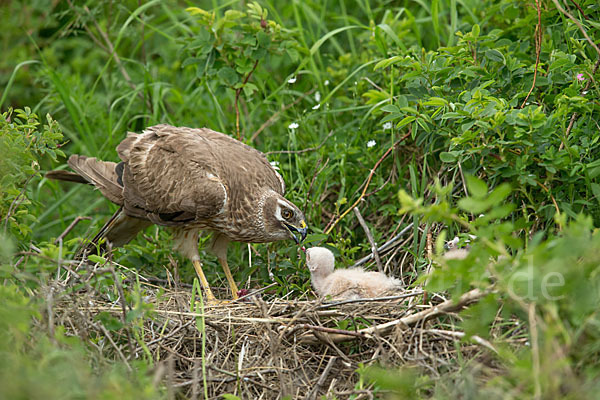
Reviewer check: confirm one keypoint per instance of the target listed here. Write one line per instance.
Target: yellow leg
(232, 284)
(210, 297)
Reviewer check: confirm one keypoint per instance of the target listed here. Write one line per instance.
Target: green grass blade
(12, 78)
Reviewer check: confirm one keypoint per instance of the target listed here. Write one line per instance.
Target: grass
(449, 75)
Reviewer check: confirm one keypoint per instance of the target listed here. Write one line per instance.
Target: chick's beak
(302, 230)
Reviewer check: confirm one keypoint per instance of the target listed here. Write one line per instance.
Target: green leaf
(110, 322)
(473, 205)
(228, 76)
(227, 396)
(263, 39)
(499, 194)
(475, 31)
(190, 61)
(250, 89)
(232, 15)
(436, 101)
(387, 62)
(596, 190)
(405, 121)
(391, 117)
(477, 187)
(96, 259)
(559, 63)
(495, 55)
(449, 156)
(390, 108)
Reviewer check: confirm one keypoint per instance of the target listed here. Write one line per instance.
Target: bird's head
(282, 219)
(320, 260)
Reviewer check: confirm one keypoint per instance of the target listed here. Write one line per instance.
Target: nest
(267, 348)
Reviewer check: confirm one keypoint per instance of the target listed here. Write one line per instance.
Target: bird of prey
(191, 180)
(345, 284)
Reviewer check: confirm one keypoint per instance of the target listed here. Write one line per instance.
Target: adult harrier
(191, 180)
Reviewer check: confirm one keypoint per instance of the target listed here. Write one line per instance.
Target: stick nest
(266, 348)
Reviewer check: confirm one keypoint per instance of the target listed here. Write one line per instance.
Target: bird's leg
(232, 284)
(210, 297)
(186, 242)
(219, 248)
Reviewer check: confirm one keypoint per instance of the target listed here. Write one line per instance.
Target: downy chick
(343, 284)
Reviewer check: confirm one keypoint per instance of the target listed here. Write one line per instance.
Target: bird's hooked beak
(302, 230)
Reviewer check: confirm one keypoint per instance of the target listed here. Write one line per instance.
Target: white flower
(318, 97)
(326, 82)
(371, 143)
(387, 125)
(275, 165)
(316, 107)
(292, 79)
(293, 126)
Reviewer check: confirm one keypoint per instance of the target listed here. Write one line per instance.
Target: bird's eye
(286, 214)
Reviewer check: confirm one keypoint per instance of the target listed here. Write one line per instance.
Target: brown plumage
(343, 284)
(191, 180)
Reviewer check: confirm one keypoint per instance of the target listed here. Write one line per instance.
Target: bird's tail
(108, 178)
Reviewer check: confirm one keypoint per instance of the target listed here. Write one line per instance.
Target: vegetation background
(460, 116)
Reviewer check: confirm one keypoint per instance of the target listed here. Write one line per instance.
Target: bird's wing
(237, 162)
(184, 175)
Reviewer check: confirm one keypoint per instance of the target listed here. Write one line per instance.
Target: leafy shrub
(21, 143)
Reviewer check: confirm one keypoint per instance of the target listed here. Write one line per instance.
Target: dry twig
(538, 49)
(370, 238)
(383, 157)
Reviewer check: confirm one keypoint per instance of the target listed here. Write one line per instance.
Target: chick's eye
(286, 214)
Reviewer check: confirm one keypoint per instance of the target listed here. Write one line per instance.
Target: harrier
(191, 180)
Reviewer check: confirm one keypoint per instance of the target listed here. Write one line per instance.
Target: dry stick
(328, 231)
(112, 342)
(329, 330)
(538, 49)
(195, 380)
(170, 377)
(322, 378)
(385, 246)
(580, 10)
(383, 329)
(70, 228)
(477, 339)
(88, 30)
(272, 320)
(124, 305)
(576, 22)
(275, 116)
(172, 333)
(550, 194)
(303, 150)
(238, 91)
(371, 299)
(257, 291)
(370, 238)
